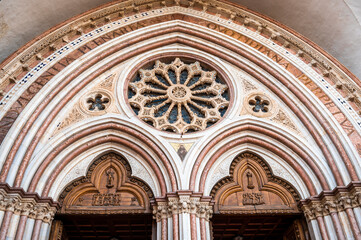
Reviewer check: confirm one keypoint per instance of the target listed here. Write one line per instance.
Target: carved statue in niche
(108, 188)
(252, 188)
(110, 177)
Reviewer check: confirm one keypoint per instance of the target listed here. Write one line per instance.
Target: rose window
(178, 97)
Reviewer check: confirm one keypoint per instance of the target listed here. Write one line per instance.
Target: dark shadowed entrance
(271, 227)
(125, 226)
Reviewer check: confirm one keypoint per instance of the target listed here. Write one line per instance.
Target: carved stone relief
(282, 118)
(252, 188)
(97, 101)
(180, 203)
(107, 188)
(25, 204)
(337, 200)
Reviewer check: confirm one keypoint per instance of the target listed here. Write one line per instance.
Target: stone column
(11, 204)
(160, 214)
(2, 213)
(188, 214)
(27, 207)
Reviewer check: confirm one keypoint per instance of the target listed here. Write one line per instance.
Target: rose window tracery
(178, 96)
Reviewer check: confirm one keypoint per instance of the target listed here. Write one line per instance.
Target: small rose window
(178, 97)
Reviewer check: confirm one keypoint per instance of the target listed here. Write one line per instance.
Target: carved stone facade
(337, 200)
(19, 202)
(183, 202)
(77, 104)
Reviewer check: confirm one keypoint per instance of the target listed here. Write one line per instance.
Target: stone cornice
(337, 200)
(183, 202)
(23, 203)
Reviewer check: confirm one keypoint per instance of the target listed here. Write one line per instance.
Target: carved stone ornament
(27, 204)
(96, 102)
(337, 200)
(260, 105)
(178, 204)
(178, 97)
(251, 188)
(108, 187)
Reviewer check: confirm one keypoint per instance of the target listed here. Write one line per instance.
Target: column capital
(22, 203)
(337, 200)
(183, 202)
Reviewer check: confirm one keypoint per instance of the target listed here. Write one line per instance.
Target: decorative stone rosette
(178, 97)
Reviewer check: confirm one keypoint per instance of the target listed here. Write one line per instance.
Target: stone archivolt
(338, 200)
(31, 205)
(223, 10)
(58, 38)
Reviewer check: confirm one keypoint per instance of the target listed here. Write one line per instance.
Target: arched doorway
(251, 203)
(108, 203)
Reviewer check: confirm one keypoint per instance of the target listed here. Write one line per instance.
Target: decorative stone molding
(246, 190)
(57, 38)
(19, 202)
(96, 102)
(337, 200)
(265, 167)
(183, 202)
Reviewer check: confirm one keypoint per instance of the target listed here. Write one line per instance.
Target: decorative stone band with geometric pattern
(178, 97)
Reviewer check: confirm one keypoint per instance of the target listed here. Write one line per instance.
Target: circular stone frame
(103, 94)
(179, 93)
(269, 104)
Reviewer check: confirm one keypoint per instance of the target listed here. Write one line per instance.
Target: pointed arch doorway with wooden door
(108, 203)
(252, 203)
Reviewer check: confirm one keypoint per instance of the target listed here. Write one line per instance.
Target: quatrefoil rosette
(178, 97)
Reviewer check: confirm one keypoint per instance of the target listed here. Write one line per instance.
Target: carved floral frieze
(178, 204)
(27, 204)
(328, 202)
